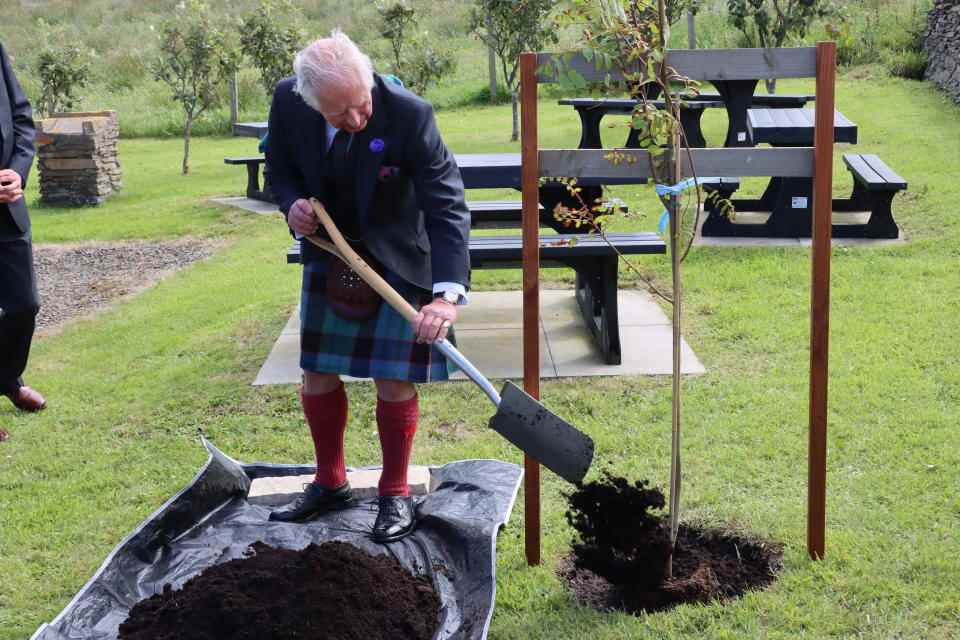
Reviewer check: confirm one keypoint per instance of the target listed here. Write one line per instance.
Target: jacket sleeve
(439, 188)
(286, 179)
(24, 132)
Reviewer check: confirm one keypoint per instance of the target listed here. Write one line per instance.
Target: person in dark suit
(370, 152)
(19, 301)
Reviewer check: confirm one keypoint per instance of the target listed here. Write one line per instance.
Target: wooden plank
(245, 160)
(626, 105)
(862, 172)
(820, 299)
(250, 129)
(891, 177)
(594, 165)
(530, 178)
(699, 64)
(794, 126)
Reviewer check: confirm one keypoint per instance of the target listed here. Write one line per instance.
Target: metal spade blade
(543, 435)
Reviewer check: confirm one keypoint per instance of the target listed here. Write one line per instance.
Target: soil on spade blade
(619, 559)
(333, 591)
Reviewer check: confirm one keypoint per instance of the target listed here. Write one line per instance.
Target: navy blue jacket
(413, 215)
(17, 135)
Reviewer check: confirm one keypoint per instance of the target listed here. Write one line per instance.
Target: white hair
(334, 61)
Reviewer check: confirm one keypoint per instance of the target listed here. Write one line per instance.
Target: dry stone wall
(943, 46)
(77, 158)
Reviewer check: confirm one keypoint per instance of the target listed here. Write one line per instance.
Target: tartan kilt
(383, 347)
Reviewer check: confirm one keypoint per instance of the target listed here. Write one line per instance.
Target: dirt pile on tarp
(619, 560)
(333, 591)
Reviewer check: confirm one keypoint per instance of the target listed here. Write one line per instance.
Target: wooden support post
(529, 182)
(820, 298)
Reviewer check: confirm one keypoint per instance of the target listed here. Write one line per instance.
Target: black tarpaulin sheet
(210, 522)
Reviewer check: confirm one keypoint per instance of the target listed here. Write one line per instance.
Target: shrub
(270, 37)
(63, 70)
(196, 58)
(907, 64)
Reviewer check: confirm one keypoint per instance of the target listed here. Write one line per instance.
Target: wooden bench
(594, 260)
(497, 214)
(874, 186)
(252, 163)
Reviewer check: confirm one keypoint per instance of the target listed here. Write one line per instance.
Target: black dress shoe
(395, 520)
(314, 500)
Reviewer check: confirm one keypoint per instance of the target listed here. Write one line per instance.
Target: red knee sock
(326, 415)
(396, 423)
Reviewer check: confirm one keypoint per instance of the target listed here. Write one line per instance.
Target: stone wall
(77, 158)
(942, 45)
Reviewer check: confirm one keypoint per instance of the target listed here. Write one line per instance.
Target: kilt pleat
(383, 347)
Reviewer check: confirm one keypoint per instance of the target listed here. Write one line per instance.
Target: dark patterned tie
(337, 158)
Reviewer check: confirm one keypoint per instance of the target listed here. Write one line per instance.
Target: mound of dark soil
(332, 591)
(619, 560)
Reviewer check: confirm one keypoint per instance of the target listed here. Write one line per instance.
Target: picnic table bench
(590, 256)
(789, 200)
(253, 163)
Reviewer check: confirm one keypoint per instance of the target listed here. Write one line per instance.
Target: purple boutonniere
(376, 145)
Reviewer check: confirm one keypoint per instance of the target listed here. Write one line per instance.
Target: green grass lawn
(130, 389)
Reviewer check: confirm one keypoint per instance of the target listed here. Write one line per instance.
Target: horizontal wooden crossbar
(598, 164)
(699, 64)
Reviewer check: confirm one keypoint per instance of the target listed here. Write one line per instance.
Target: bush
(270, 37)
(63, 71)
(907, 64)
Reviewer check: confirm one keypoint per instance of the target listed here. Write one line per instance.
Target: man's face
(348, 107)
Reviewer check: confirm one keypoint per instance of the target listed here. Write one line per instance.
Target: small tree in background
(196, 59)
(770, 23)
(416, 60)
(510, 27)
(63, 70)
(397, 20)
(270, 37)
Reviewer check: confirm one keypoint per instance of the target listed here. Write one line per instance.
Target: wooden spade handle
(341, 249)
(346, 253)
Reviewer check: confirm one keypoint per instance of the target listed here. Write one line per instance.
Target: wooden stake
(529, 180)
(820, 298)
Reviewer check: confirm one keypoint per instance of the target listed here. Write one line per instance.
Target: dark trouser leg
(16, 334)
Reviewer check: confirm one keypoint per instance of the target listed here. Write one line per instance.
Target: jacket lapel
(369, 147)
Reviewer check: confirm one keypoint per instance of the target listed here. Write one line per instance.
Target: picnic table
(788, 200)
(736, 96)
(592, 111)
(250, 129)
(594, 260)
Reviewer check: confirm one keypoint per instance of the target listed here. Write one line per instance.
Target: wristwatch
(451, 297)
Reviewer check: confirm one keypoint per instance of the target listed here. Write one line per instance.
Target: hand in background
(11, 187)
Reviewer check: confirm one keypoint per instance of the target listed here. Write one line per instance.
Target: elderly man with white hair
(371, 153)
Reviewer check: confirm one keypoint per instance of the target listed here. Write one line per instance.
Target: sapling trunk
(676, 229)
(186, 145)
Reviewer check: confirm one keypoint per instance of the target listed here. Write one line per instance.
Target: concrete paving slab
(648, 350)
(489, 334)
(498, 353)
(502, 310)
(282, 366)
(363, 484)
(248, 204)
(293, 324)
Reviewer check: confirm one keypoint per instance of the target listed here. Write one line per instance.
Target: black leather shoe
(396, 519)
(314, 501)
